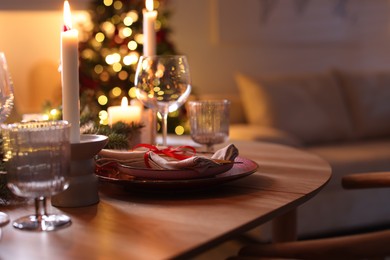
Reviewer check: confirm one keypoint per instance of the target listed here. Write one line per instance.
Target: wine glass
(6, 105)
(37, 157)
(163, 83)
(209, 122)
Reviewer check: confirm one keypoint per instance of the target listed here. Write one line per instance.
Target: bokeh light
(102, 100)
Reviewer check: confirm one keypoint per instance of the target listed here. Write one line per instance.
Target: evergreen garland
(119, 134)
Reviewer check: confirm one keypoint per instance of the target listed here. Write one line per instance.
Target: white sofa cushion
(309, 107)
(335, 209)
(368, 97)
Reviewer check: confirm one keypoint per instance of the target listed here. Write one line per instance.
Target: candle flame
(149, 5)
(124, 102)
(67, 16)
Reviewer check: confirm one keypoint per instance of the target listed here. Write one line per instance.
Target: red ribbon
(179, 153)
(66, 28)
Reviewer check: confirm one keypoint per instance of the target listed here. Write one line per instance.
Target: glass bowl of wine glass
(163, 83)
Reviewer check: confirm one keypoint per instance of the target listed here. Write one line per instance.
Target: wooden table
(132, 225)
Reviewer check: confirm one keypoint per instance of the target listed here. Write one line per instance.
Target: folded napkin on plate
(154, 160)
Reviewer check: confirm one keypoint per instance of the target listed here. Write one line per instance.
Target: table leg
(284, 227)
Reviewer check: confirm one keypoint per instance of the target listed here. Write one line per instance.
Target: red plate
(156, 174)
(241, 168)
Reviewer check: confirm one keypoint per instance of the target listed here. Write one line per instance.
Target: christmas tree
(111, 49)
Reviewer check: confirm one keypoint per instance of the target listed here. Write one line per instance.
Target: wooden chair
(374, 244)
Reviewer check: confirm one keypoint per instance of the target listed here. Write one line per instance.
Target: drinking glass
(6, 105)
(209, 122)
(37, 156)
(163, 83)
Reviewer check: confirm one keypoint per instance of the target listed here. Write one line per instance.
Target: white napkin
(156, 161)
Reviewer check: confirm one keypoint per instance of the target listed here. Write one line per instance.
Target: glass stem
(209, 148)
(40, 207)
(164, 125)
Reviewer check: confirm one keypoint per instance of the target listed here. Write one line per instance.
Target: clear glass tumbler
(209, 122)
(6, 105)
(37, 156)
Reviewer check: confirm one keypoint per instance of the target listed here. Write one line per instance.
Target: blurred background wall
(220, 37)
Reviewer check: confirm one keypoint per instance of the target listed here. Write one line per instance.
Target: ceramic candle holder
(83, 184)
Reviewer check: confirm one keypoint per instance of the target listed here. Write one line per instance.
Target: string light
(118, 5)
(107, 2)
(113, 48)
(54, 112)
(179, 130)
(98, 69)
(108, 28)
(128, 20)
(103, 117)
(132, 45)
(99, 37)
(132, 92)
(116, 92)
(127, 32)
(117, 67)
(123, 75)
(102, 100)
(133, 15)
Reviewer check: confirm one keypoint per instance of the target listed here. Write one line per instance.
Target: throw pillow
(368, 98)
(309, 107)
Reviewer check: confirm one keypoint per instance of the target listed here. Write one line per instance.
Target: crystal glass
(209, 122)
(37, 157)
(6, 105)
(163, 83)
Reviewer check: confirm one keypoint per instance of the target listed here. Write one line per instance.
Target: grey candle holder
(83, 184)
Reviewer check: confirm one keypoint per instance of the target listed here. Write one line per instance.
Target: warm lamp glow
(67, 15)
(149, 5)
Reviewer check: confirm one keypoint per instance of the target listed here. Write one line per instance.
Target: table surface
(134, 225)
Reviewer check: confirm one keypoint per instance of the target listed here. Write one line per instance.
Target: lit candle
(124, 113)
(148, 27)
(70, 75)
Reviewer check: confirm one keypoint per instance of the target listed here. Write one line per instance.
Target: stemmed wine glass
(37, 156)
(6, 105)
(163, 83)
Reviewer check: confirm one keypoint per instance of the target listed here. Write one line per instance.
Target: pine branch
(118, 135)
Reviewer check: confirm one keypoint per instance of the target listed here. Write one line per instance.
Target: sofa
(341, 116)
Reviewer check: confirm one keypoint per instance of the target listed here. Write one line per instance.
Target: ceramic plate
(121, 171)
(155, 174)
(241, 168)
